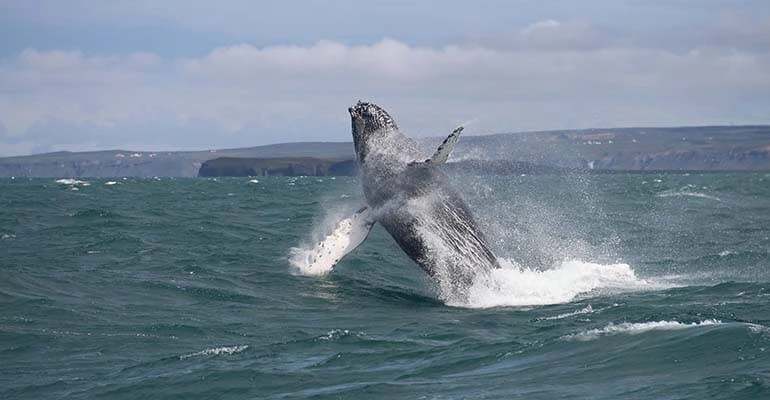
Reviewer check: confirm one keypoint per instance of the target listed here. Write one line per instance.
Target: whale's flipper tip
(445, 149)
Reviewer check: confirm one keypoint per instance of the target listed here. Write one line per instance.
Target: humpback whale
(412, 198)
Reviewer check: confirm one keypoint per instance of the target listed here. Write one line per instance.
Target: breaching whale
(412, 198)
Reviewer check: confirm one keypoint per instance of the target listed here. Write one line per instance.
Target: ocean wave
(516, 286)
(72, 182)
(586, 310)
(756, 328)
(336, 334)
(630, 328)
(687, 192)
(216, 351)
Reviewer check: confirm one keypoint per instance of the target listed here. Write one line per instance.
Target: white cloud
(549, 74)
(394, 68)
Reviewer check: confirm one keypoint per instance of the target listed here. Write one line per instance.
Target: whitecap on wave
(72, 182)
(637, 328)
(336, 334)
(687, 191)
(216, 351)
(585, 310)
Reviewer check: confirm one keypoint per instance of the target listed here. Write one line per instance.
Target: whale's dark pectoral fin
(347, 234)
(446, 147)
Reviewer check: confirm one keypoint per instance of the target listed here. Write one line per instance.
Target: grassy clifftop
(116, 163)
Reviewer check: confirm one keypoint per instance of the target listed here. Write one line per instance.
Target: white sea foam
(586, 310)
(336, 334)
(687, 191)
(216, 351)
(629, 328)
(110, 183)
(755, 328)
(513, 285)
(72, 182)
(254, 181)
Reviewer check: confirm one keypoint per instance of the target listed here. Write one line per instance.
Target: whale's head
(369, 121)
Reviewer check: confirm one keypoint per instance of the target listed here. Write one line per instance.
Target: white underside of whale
(346, 235)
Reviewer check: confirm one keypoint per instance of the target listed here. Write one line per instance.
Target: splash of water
(514, 285)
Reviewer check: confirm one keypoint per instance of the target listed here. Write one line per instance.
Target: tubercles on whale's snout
(360, 109)
(369, 121)
(372, 116)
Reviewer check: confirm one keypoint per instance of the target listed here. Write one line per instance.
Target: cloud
(547, 74)
(392, 67)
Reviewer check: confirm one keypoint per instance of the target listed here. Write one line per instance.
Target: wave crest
(637, 328)
(216, 351)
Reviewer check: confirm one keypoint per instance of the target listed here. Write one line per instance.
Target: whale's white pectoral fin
(443, 151)
(347, 234)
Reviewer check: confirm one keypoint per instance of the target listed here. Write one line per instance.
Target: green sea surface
(633, 286)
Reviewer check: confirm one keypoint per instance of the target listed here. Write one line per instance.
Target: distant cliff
(118, 163)
(706, 148)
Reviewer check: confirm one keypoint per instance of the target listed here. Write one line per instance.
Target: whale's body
(412, 198)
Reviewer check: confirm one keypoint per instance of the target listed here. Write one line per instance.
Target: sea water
(640, 286)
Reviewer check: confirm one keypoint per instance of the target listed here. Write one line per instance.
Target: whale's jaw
(368, 121)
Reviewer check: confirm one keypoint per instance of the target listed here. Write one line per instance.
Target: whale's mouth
(359, 109)
(372, 117)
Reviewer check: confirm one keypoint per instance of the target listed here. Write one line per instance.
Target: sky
(154, 75)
